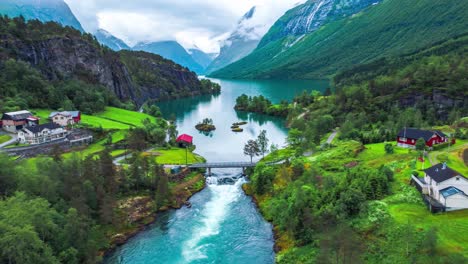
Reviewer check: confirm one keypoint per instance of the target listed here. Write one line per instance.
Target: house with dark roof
(15, 121)
(41, 134)
(407, 137)
(445, 187)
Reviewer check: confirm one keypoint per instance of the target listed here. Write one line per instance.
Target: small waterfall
(225, 190)
(212, 180)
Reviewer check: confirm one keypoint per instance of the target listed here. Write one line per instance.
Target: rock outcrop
(64, 53)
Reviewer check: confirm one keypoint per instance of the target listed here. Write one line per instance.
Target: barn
(408, 137)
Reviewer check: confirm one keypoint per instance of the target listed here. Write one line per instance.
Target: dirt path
(332, 137)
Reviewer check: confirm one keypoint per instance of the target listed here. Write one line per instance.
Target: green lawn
(43, 114)
(175, 156)
(118, 152)
(124, 116)
(452, 227)
(4, 138)
(453, 156)
(106, 124)
(111, 118)
(118, 136)
(403, 161)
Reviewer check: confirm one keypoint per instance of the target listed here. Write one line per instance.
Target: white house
(41, 134)
(62, 118)
(446, 186)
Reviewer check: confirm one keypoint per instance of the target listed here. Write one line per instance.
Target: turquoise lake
(223, 224)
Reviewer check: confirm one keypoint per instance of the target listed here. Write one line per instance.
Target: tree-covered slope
(390, 28)
(49, 66)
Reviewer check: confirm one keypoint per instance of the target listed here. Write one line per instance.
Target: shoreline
(276, 247)
(119, 239)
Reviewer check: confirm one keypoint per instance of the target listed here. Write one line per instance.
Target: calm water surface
(223, 224)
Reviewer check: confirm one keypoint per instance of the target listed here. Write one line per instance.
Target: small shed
(184, 140)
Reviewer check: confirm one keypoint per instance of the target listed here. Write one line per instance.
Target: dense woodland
(60, 210)
(260, 104)
(23, 87)
(372, 102)
(43, 81)
(332, 212)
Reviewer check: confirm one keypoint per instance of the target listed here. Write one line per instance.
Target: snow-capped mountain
(243, 40)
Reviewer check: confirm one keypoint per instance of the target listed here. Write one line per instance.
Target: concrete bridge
(218, 165)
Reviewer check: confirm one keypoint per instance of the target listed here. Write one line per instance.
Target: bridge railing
(223, 165)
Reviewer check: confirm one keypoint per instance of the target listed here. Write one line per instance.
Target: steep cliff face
(61, 54)
(60, 58)
(242, 40)
(311, 15)
(159, 78)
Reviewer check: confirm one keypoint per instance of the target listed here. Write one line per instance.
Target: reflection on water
(223, 144)
(223, 224)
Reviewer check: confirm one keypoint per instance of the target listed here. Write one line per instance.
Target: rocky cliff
(64, 53)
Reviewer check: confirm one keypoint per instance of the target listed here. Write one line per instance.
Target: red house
(407, 137)
(184, 139)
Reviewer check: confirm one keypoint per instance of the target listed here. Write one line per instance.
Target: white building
(445, 186)
(41, 134)
(62, 118)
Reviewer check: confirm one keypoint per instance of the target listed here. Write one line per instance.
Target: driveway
(13, 140)
(332, 137)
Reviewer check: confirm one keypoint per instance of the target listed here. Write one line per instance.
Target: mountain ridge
(237, 45)
(378, 31)
(44, 10)
(171, 50)
(106, 38)
(63, 53)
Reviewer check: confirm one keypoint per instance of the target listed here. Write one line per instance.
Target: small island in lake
(206, 125)
(236, 126)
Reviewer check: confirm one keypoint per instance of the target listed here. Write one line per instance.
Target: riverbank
(282, 240)
(140, 212)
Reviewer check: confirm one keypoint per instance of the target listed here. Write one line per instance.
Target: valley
(348, 119)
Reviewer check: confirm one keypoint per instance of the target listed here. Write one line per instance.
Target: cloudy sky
(201, 23)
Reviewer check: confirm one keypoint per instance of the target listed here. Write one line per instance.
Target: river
(223, 224)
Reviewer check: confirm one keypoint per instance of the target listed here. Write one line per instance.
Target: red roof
(185, 138)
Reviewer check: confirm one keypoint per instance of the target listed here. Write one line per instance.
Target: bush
(440, 146)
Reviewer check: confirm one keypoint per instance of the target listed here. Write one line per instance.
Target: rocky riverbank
(139, 211)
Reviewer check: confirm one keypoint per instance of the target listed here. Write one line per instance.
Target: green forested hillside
(45, 65)
(393, 27)
(351, 201)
